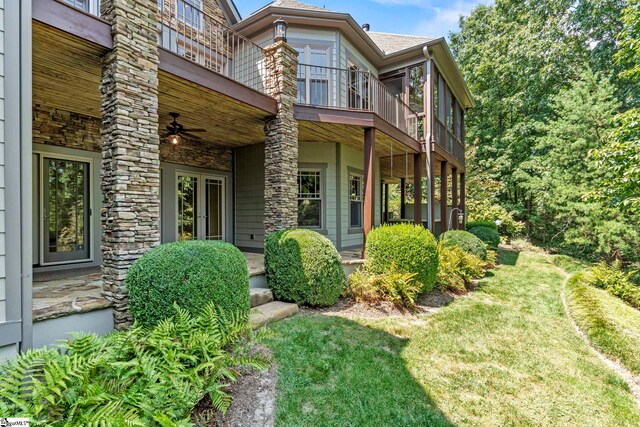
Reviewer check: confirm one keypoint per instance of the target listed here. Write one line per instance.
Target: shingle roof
(390, 43)
(293, 4)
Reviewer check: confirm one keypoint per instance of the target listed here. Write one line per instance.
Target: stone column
(281, 140)
(130, 146)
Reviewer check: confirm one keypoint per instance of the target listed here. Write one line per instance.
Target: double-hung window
(310, 198)
(356, 200)
(313, 75)
(190, 12)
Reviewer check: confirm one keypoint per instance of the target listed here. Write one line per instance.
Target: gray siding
(249, 179)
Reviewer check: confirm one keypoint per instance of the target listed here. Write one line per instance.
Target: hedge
(191, 274)
(466, 241)
(408, 248)
(487, 235)
(482, 223)
(304, 267)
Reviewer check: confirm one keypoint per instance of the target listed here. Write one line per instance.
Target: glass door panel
(213, 211)
(66, 210)
(187, 207)
(201, 204)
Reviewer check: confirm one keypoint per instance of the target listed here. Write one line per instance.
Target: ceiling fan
(175, 131)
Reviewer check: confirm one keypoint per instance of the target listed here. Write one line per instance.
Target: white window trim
(320, 171)
(353, 174)
(306, 47)
(41, 156)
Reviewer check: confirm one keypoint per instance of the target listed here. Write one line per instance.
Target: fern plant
(140, 377)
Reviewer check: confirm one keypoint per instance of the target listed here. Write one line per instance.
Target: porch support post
(281, 140)
(454, 198)
(417, 188)
(369, 182)
(463, 197)
(403, 198)
(385, 218)
(130, 146)
(443, 197)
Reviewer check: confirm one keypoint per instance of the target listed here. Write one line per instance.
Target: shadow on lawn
(334, 371)
(508, 256)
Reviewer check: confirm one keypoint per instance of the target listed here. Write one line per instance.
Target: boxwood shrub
(465, 241)
(407, 248)
(482, 223)
(487, 235)
(304, 267)
(190, 274)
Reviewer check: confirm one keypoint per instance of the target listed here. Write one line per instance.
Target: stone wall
(130, 145)
(62, 128)
(281, 139)
(52, 126)
(199, 154)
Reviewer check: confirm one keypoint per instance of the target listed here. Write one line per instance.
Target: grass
(612, 326)
(504, 355)
(569, 264)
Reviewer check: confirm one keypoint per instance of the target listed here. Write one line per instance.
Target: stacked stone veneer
(52, 126)
(130, 145)
(281, 140)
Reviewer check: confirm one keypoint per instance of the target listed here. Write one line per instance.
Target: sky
(420, 17)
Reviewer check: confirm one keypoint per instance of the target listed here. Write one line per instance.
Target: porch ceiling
(404, 169)
(66, 71)
(350, 135)
(228, 122)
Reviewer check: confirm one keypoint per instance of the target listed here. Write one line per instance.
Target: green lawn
(504, 355)
(611, 325)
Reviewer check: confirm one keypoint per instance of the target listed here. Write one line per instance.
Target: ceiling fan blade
(171, 128)
(191, 136)
(194, 130)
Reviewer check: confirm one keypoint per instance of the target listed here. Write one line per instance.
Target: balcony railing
(89, 6)
(354, 90)
(447, 140)
(184, 28)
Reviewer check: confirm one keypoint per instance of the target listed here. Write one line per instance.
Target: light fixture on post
(460, 217)
(174, 139)
(280, 30)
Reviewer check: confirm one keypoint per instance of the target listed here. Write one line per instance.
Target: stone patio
(67, 292)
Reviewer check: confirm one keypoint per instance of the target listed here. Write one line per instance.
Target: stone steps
(265, 310)
(260, 296)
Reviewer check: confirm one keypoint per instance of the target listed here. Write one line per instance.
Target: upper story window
(359, 81)
(313, 74)
(190, 12)
(91, 6)
(416, 88)
(310, 198)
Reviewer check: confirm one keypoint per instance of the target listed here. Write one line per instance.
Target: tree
(620, 157)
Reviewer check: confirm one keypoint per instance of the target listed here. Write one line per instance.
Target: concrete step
(260, 296)
(271, 312)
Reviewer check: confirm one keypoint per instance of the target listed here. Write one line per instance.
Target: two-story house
(130, 123)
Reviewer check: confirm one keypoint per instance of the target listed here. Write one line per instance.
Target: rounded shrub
(482, 223)
(191, 274)
(407, 248)
(304, 267)
(487, 235)
(466, 241)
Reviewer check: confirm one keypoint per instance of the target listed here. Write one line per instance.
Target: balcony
(446, 139)
(357, 90)
(185, 29)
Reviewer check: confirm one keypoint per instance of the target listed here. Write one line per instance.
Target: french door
(66, 210)
(201, 207)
